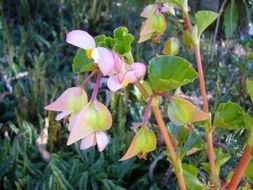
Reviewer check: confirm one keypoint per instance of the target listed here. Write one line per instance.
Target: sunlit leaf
(229, 116)
(204, 19)
(170, 72)
(190, 176)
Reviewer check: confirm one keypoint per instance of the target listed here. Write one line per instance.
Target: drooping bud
(171, 46)
(181, 112)
(144, 141)
(93, 117)
(155, 24)
(72, 99)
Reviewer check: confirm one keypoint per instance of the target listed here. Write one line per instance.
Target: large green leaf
(249, 85)
(190, 176)
(204, 19)
(221, 158)
(229, 116)
(82, 63)
(170, 72)
(230, 19)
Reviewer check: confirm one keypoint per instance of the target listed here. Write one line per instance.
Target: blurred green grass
(35, 67)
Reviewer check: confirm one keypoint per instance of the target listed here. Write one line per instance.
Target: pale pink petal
(72, 121)
(139, 69)
(81, 39)
(72, 99)
(117, 63)
(104, 58)
(102, 140)
(168, 8)
(62, 115)
(78, 129)
(131, 76)
(88, 141)
(113, 83)
(149, 10)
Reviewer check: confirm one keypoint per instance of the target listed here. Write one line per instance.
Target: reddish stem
(88, 77)
(145, 118)
(224, 185)
(201, 78)
(213, 177)
(170, 147)
(241, 167)
(168, 96)
(95, 91)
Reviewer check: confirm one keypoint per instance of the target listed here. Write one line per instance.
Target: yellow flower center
(126, 83)
(88, 53)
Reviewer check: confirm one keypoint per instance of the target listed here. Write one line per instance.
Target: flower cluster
(89, 120)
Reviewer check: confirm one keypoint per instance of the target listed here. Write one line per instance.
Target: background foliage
(35, 67)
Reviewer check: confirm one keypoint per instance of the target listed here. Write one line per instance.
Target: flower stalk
(88, 78)
(175, 161)
(213, 177)
(167, 138)
(145, 117)
(95, 91)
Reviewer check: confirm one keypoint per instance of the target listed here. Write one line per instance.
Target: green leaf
(249, 85)
(82, 63)
(190, 176)
(193, 142)
(123, 40)
(230, 19)
(221, 158)
(229, 116)
(170, 72)
(249, 171)
(204, 19)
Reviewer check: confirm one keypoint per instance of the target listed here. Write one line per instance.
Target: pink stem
(95, 91)
(88, 78)
(145, 118)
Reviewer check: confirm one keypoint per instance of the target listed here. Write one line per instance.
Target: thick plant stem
(201, 79)
(169, 145)
(241, 167)
(209, 138)
(213, 177)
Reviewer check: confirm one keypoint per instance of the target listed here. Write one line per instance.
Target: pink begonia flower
(123, 73)
(102, 56)
(71, 102)
(168, 8)
(92, 119)
(98, 138)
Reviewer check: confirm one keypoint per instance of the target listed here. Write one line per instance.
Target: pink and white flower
(123, 73)
(102, 56)
(98, 138)
(70, 102)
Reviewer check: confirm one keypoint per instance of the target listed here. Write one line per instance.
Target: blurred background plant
(35, 67)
